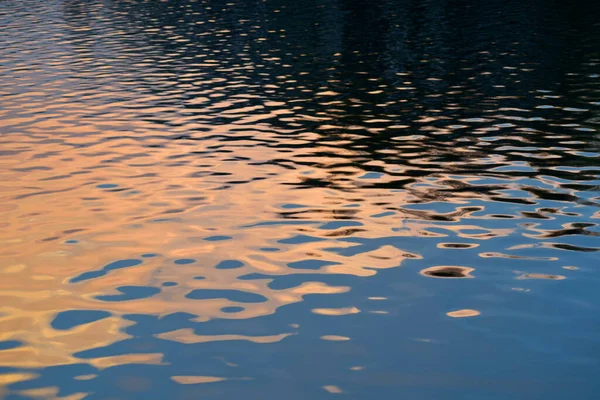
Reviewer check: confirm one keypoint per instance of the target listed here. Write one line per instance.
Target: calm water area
(300, 199)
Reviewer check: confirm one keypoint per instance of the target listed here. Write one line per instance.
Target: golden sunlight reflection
(109, 202)
(542, 276)
(336, 311)
(51, 393)
(333, 389)
(193, 380)
(187, 336)
(463, 313)
(335, 338)
(85, 377)
(104, 209)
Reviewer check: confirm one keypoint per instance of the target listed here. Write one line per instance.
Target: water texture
(308, 199)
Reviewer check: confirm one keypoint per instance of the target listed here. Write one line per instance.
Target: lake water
(300, 199)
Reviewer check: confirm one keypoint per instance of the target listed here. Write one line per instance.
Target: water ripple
(206, 199)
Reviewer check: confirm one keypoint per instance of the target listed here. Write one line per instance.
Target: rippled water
(299, 199)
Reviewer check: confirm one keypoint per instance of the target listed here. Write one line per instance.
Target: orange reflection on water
(187, 336)
(193, 380)
(124, 187)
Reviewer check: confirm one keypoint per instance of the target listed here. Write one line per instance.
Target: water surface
(306, 199)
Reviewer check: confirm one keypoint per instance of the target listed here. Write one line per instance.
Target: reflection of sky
(215, 201)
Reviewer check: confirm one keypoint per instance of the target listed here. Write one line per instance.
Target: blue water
(307, 199)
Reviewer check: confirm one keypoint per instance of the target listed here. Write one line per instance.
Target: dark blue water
(387, 199)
